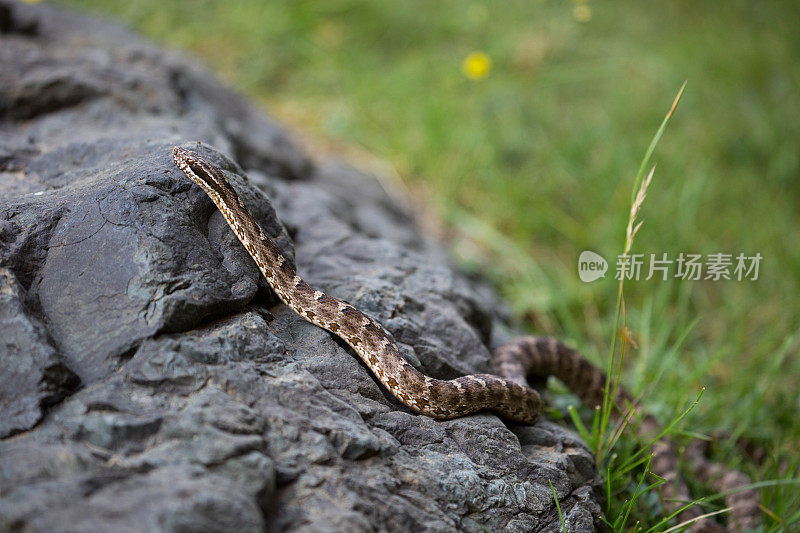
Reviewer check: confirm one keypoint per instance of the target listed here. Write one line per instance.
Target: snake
(507, 393)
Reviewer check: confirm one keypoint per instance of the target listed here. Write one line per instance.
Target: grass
(533, 164)
(601, 439)
(558, 507)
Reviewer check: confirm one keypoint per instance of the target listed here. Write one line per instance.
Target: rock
(149, 378)
(32, 376)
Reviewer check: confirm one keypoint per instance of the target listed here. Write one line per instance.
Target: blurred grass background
(534, 162)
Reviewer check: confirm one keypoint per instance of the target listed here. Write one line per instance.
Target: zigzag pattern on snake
(509, 396)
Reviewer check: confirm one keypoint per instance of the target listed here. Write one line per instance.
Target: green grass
(535, 163)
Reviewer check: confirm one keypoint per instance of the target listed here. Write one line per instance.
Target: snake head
(185, 159)
(200, 171)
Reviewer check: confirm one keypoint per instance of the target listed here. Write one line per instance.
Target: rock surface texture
(149, 378)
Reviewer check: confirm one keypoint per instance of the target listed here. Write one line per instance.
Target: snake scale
(506, 394)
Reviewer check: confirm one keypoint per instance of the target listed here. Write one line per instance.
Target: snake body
(507, 394)
(423, 394)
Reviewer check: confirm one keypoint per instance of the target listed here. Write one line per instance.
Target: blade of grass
(558, 508)
(678, 527)
(654, 141)
(637, 197)
(636, 493)
(579, 425)
(666, 430)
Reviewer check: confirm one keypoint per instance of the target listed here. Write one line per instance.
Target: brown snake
(508, 396)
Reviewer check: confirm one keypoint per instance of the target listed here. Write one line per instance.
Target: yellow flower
(476, 66)
(582, 13)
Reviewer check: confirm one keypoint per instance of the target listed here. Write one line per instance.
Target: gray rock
(149, 378)
(32, 376)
